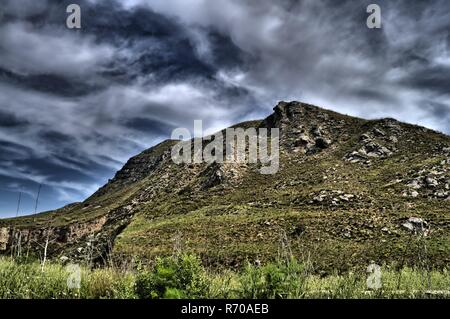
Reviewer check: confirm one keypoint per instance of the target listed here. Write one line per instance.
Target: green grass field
(185, 277)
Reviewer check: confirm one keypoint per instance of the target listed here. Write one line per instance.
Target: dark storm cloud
(148, 124)
(75, 104)
(432, 78)
(439, 109)
(322, 52)
(8, 119)
(48, 83)
(82, 101)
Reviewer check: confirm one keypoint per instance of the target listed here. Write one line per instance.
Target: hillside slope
(343, 196)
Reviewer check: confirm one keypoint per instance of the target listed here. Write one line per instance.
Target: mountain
(348, 191)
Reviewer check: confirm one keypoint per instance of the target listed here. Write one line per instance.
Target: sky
(75, 104)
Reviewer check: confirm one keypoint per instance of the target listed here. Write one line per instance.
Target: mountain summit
(348, 191)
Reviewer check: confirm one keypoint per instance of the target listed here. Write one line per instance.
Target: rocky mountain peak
(291, 113)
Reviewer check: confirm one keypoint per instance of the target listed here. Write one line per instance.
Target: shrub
(173, 277)
(283, 279)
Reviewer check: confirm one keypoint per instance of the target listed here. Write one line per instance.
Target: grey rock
(415, 184)
(378, 132)
(441, 194)
(303, 141)
(393, 139)
(319, 198)
(346, 197)
(365, 137)
(416, 225)
(431, 182)
(317, 131)
(372, 149)
(63, 259)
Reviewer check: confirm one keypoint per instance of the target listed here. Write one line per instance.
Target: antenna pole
(18, 204)
(37, 199)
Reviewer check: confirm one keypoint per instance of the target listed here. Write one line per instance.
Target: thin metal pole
(37, 199)
(18, 204)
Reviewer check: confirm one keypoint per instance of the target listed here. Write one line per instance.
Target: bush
(283, 279)
(173, 277)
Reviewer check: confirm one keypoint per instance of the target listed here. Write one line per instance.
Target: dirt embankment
(11, 237)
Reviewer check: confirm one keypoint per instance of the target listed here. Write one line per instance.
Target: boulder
(416, 225)
(64, 259)
(441, 194)
(319, 198)
(317, 131)
(393, 139)
(415, 184)
(375, 150)
(431, 181)
(378, 132)
(347, 197)
(303, 141)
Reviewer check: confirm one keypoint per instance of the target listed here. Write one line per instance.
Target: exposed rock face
(65, 235)
(370, 149)
(377, 143)
(143, 164)
(77, 231)
(4, 238)
(433, 182)
(214, 175)
(304, 128)
(226, 173)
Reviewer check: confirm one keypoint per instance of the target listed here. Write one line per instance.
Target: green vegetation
(183, 276)
(177, 277)
(26, 280)
(228, 235)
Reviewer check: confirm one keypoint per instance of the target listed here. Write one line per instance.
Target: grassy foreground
(185, 277)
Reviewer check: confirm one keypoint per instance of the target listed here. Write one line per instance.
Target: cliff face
(12, 238)
(4, 238)
(343, 193)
